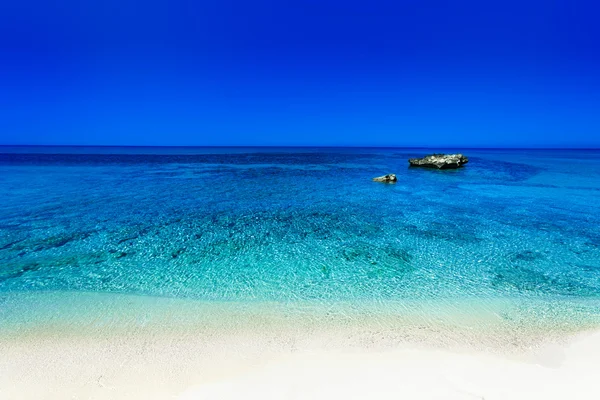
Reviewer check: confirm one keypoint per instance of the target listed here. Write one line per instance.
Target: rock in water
(439, 161)
(389, 178)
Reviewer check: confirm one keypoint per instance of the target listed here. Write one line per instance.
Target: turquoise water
(302, 225)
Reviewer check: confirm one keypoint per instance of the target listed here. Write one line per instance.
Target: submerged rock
(440, 161)
(389, 178)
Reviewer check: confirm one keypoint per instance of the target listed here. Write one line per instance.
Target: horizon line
(296, 146)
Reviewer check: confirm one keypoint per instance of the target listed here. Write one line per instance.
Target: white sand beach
(273, 356)
(552, 373)
(167, 369)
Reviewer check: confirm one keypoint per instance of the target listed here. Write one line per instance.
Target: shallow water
(292, 226)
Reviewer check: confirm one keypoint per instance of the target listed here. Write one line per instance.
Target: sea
(95, 237)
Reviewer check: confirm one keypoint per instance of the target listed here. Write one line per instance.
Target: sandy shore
(551, 373)
(83, 369)
(223, 354)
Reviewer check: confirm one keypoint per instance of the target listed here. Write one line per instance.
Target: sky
(313, 73)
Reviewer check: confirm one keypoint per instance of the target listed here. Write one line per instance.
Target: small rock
(389, 178)
(439, 161)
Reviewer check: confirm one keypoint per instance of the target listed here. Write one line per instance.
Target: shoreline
(121, 346)
(97, 314)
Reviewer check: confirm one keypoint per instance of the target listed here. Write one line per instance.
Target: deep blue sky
(226, 72)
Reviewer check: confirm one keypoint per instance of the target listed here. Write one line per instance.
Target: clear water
(303, 225)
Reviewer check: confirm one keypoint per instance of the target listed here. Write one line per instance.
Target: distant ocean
(515, 233)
